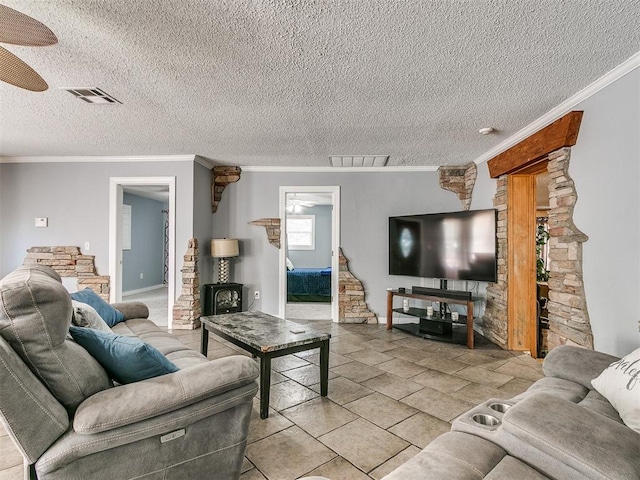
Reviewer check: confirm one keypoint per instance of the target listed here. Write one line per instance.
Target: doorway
(160, 295)
(309, 263)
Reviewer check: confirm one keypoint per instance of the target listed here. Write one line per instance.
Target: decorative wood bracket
(220, 178)
(273, 229)
(561, 133)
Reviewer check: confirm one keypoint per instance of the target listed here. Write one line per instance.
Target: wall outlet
(42, 222)
(87, 246)
(256, 295)
(142, 275)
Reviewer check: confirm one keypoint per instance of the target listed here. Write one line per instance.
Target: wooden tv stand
(422, 313)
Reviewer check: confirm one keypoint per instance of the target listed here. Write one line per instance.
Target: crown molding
(100, 159)
(341, 169)
(563, 108)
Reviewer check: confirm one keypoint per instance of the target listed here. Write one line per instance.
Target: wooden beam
(561, 133)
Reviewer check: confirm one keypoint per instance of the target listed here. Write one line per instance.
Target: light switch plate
(42, 222)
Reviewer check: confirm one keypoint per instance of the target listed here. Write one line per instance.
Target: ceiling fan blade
(16, 72)
(19, 29)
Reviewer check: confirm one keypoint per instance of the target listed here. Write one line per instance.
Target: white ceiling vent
(92, 95)
(358, 160)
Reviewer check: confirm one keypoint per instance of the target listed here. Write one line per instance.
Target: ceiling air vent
(358, 160)
(92, 95)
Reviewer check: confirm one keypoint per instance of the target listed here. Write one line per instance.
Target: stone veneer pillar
(459, 180)
(68, 261)
(352, 305)
(568, 315)
(186, 309)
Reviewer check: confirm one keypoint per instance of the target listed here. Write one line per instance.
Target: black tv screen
(455, 245)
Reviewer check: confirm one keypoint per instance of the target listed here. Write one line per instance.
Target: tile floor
(390, 394)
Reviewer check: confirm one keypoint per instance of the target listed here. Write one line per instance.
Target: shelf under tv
(434, 327)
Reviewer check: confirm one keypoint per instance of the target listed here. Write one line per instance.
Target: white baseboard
(142, 290)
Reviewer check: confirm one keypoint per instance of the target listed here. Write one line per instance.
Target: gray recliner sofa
(560, 429)
(70, 421)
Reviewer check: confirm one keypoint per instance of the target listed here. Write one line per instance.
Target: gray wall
(367, 200)
(146, 256)
(605, 165)
(202, 221)
(320, 257)
(75, 198)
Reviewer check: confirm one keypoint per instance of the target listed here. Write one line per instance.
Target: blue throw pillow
(110, 315)
(126, 359)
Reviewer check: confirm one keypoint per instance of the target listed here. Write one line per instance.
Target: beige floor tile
(440, 405)
(260, 428)
(519, 370)
(307, 375)
(306, 353)
(339, 469)
(287, 394)
(342, 390)
(420, 429)
(13, 473)
(282, 364)
(319, 416)
(476, 393)
(379, 344)
(380, 409)
(302, 452)
(369, 357)
(440, 381)
(401, 368)
(246, 465)
(484, 376)
(515, 387)
(10, 455)
(335, 359)
(356, 371)
(364, 444)
(444, 365)
(475, 358)
(392, 386)
(393, 463)
(408, 354)
(344, 347)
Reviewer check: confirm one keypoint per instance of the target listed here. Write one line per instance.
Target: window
(301, 232)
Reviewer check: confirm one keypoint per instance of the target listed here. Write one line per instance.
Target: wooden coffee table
(267, 337)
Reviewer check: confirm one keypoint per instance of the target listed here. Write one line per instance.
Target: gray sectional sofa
(561, 428)
(70, 421)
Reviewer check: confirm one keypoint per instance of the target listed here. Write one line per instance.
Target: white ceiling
(290, 82)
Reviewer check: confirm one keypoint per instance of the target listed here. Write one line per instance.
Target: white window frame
(312, 246)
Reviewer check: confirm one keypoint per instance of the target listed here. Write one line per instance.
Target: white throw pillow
(84, 315)
(620, 384)
(289, 265)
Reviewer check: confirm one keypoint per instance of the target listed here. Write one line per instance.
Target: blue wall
(321, 256)
(147, 244)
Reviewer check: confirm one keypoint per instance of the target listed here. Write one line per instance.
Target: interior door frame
(334, 191)
(116, 193)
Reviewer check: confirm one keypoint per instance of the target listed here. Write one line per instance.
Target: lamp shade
(224, 247)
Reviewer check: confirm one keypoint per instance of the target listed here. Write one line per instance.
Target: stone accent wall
(568, 315)
(495, 313)
(352, 305)
(186, 310)
(273, 229)
(220, 178)
(69, 261)
(460, 180)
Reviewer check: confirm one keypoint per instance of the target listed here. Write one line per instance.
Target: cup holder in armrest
(485, 419)
(499, 407)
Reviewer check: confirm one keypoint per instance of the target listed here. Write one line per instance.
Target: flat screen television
(454, 245)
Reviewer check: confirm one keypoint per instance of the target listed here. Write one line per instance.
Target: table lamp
(224, 249)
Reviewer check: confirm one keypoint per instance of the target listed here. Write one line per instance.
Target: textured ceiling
(290, 82)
